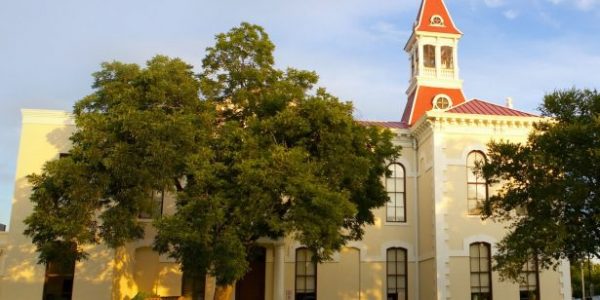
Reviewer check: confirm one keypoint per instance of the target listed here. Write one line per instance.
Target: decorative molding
(464, 252)
(441, 226)
(565, 279)
(486, 121)
(462, 161)
(362, 247)
(47, 117)
(410, 251)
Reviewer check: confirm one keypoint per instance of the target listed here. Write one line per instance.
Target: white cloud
(586, 4)
(549, 20)
(511, 14)
(556, 64)
(390, 31)
(494, 3)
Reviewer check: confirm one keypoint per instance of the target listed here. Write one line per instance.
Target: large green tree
(247, 150)
(549, 187)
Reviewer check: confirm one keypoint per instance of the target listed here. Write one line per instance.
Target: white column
(420, 64)
(278, 272)
(438, 60)
(455, 58)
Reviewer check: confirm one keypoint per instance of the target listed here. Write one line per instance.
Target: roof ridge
(505, 107)
(469, 105)
(431, 8)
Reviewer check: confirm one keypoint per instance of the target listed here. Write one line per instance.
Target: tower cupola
(432, 49)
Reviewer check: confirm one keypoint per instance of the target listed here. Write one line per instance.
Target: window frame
(525, 271)
(395, 192)
(436, 100)
(447, 62)
(429, 60)
(300, 295)
(479, 273)
(396, 275)
(65, 272)
(157, 206)
(479, 182)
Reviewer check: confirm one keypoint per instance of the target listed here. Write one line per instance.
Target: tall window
(429, 56)
(192, 286)
(447, 57)
(58, 283)
(395, 186)
(529, 287)
(396, 274)
(476, 186)
(306, 275)
(154, 207)
(481, 271)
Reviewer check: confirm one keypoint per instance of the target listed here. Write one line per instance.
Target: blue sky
(518, 48)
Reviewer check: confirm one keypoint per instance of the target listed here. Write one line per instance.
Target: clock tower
(432, 49)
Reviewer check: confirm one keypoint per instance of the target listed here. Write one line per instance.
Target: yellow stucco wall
(38, 144)
(359, 269)
(3, 248)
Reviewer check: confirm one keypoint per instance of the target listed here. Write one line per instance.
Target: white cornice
(482, 120)
(437, 34)
(47, 117)
(433, 82)
(455, 119)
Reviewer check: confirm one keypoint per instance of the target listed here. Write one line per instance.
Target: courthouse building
(427, 243)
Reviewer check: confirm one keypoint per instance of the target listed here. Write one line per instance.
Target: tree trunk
(223, 292)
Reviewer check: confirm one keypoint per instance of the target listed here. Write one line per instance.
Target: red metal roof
(409, 108)
(480, 107)
(430, 8)
(384, 124)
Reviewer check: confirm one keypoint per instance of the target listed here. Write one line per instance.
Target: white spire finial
(509, 102)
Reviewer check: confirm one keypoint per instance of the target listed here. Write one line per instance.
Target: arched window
(447, 57)
(436, 20)
(429, 56)
(306, 275)
(59, 277)
(397, 280)
(529, 283)
(153, 208)
(481, 271)
(477, 191)
(395, 185)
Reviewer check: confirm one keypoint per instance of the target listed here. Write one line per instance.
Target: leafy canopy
(247, 151)
(555, 179)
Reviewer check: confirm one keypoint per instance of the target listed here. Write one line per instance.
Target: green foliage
(591, 275)
(286, 162)
(144, 296)
(130, 135)
(555, 178)
(247, 150)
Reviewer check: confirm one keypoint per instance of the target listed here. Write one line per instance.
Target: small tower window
(442, 102)
(436, 20)
(412, 64)
(447, 57)
(416, 59)
(429, 56)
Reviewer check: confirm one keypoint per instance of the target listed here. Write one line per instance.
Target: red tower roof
(421, 101)
(427, 21)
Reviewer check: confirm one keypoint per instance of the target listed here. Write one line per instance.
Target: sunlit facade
(428, 242)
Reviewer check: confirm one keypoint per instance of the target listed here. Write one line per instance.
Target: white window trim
(437, 97)
(442, 23)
